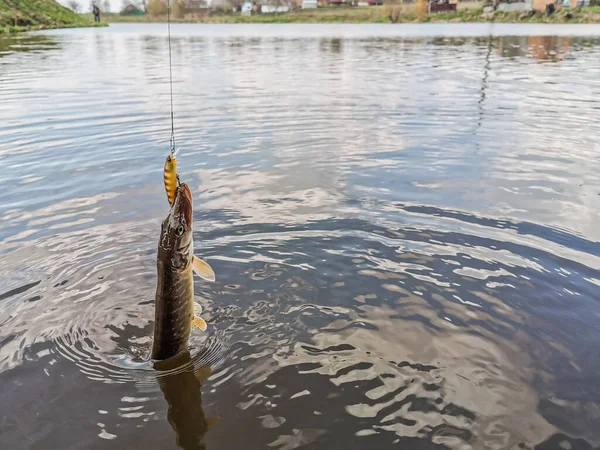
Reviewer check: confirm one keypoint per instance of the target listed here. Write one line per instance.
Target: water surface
(403, 221)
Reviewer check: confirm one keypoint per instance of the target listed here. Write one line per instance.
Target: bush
(176, 9)
(156, 8)
(392, 11)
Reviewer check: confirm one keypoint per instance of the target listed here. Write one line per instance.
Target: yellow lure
(170, 175)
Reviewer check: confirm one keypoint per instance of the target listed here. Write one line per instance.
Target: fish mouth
(182, 205)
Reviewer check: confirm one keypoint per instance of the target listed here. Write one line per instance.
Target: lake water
(403, 221)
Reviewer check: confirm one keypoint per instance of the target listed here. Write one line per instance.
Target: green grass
(582, 15)
(467, 12)
(338, 14)
(24, 15)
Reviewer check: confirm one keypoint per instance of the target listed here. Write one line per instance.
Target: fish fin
(212, 421)
(203, 269)
(197, 309)
(199, 322)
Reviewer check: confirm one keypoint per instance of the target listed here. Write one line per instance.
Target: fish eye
(180, 230)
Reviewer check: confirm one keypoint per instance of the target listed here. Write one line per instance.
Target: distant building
(246, 9)
(309, 4)
(441, 6)
(266, 9)
(195, 7)
(515, 5)
(369, 2)
(539, 5)
(131, 10)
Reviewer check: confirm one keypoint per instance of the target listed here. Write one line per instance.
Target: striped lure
(170, 175)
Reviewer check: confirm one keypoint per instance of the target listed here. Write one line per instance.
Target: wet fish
(170, 176)
(175, 310)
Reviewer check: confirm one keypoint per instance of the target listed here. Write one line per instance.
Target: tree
(177, 9)
(74, 5)
(156, 8)
(106, 6)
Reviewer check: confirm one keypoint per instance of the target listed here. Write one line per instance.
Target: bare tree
(75, 6)
(106, 6)
(177, 8)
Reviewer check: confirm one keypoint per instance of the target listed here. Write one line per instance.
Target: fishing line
(172, 140)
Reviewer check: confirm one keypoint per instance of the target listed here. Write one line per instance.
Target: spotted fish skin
(174, 306)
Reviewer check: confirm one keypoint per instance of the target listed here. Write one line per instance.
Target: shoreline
(472, 13)
(11, 29)
(381, 14)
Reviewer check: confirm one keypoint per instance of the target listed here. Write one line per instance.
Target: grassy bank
(467, 12)
(25, 15)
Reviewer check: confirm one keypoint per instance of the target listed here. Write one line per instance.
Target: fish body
(175, 310)
(174, 307)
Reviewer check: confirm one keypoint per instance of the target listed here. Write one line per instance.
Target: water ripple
(402, 220)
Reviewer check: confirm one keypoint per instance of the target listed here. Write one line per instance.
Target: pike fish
(175, 310)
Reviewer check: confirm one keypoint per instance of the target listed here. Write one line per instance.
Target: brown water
(403, 221)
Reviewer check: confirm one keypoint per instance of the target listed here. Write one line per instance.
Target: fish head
(176, 231)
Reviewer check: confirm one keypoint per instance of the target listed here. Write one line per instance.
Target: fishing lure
(170, 175)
